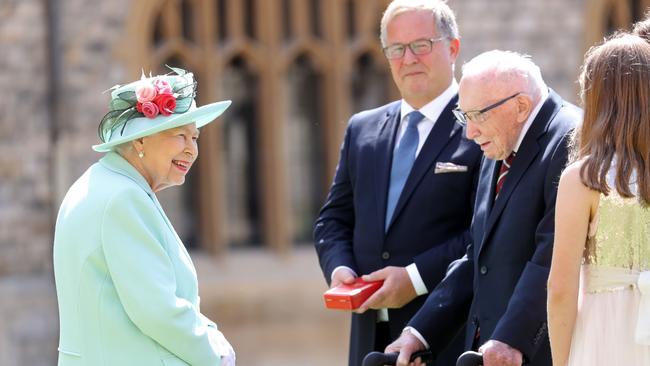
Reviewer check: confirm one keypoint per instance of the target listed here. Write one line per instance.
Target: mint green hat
(151, 105)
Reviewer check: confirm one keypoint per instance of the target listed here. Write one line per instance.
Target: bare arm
(575, 206)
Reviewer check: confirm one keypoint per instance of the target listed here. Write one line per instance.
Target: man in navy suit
(401, 203)
(523, 129)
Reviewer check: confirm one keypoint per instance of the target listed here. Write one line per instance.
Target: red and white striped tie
(503, 172)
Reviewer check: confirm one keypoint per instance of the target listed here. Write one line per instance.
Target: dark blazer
(512, 241)
(431, 219)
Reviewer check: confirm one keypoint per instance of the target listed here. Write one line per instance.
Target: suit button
(484, 270)
(385, 255)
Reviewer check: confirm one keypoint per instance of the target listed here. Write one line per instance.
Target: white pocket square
(449, 168)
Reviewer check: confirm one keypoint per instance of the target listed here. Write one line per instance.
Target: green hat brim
(201, 116)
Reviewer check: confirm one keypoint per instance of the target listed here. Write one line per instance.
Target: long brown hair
(615, 90)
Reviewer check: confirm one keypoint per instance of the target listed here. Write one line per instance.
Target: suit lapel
(443, 131)
(528, 150)
(386, 131)
(487, 185)
(484, 200)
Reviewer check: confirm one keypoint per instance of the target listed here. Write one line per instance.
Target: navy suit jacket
(431, 220)
(512, 240)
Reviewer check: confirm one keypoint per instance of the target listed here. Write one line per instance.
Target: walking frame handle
(470, 358)
(380, 359)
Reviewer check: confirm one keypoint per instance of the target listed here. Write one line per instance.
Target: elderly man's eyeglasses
(418, 47)
(478, 116)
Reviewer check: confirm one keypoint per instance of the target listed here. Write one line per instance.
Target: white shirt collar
(531, 118)
(434, 108)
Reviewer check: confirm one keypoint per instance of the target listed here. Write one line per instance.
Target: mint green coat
(126, 287)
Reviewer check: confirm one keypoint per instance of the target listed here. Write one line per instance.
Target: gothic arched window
(295, 70)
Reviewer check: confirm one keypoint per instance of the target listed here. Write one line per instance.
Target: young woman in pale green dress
(598, 300)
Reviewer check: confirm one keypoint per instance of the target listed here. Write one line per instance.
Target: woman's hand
(223, 347)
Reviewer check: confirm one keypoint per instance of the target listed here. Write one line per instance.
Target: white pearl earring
(141, 154)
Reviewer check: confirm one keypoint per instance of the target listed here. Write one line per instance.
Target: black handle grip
(470, 358)
(381, 359)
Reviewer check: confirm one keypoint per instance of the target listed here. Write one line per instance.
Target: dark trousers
(382, 336)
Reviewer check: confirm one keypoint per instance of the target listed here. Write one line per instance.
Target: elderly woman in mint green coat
(126, 286)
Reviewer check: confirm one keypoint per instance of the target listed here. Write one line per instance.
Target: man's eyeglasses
(478, 116)
(418, 47)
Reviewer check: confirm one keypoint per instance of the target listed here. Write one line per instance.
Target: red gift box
(350, 297)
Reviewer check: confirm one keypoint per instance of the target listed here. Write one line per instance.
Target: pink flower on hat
(162, 86)
(145, 91)
(149, 109)
(155, 96)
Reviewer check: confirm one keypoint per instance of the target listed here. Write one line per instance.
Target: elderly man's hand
(497, 353)
(396, 291)
(406, 345)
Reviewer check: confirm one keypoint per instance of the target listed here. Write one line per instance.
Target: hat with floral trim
(151, 105)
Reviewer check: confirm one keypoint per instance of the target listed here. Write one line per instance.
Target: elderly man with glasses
(523, 129)
(401, 203)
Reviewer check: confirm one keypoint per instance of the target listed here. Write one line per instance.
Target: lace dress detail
(617, 250)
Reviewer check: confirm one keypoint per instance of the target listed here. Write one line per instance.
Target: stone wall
(90, 34)
(551, 31)
(25, 192)
(27, 301)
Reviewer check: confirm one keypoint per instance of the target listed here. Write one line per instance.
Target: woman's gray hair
(124, 149)
(510, 67)
(442, 14)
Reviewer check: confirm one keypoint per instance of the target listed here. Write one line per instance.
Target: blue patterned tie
(403, 159)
